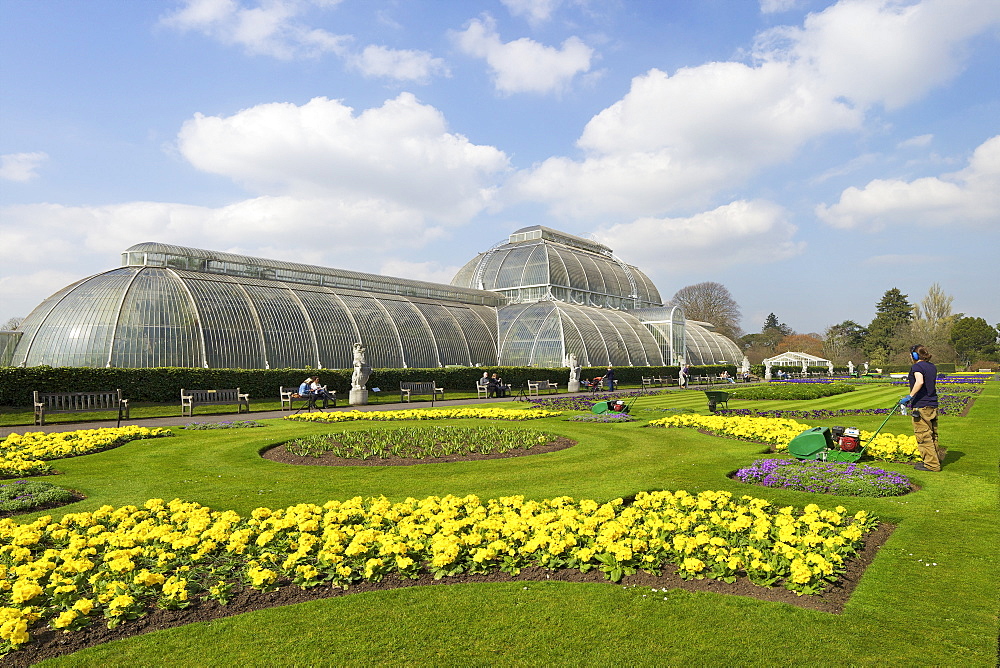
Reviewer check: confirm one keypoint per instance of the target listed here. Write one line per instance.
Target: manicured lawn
(902, 613)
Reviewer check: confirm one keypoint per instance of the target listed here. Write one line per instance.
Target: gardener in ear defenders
(923, 402)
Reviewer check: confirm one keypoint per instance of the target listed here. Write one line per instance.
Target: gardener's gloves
(905, 400)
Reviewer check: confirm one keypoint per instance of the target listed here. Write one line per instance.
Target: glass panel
(557, 268)
(232, 337)
(577, 276)
(595, 276)
(287, 334)
(378, 334)
(452, 347)
(158, 324)
(335, 331)
(80, 328)
(419, 348)
(536, 269)
(479, 323)
(512, 268)
(33, 323)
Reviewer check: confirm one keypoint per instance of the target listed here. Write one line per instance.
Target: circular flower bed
(603, 418)
(844, 479)
(473, 412)
(241, 424)
(19, 496)
(430, 443)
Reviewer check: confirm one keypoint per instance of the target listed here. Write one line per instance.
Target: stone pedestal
(358, 398)
(573, 386)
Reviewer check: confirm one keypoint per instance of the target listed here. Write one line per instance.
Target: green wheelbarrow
(818, 444)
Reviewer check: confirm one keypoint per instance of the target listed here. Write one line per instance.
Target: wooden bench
(290, 395)
(79, 402)
(482, 390)
(649, 382)
(192, 398)
(535, 386)
(408, 390)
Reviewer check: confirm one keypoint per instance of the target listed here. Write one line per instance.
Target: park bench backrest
(419, 388)
(79, 402)
(227, 396)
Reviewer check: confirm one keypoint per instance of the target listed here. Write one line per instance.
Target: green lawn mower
(612, 406)
(833, 444)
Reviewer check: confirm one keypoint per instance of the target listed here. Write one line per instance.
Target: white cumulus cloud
(21, 167)
(970, 197)
(352, 234)
(269, 27)
(434, 272)
(739, 232)
(524, 65)
(776, 6)
(398, 64)
(400, 153)
(535, 11)
(675, 141)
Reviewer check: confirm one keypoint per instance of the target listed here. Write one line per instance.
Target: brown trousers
(926, 432)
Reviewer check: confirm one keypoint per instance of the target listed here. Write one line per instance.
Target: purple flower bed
(822, 381)
(816, 414)
(582, 403)
(948, 404)
(843, 479)
(603, 418)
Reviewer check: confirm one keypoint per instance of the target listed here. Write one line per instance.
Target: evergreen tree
(889, 330)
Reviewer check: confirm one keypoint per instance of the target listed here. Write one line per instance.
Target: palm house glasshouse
(530, 301)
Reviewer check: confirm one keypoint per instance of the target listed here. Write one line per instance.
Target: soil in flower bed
(48, 643)
(278, 453)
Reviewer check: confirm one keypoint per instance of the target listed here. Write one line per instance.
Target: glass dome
(538, 263)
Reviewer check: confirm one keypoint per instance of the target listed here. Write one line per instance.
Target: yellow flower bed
(779, 431)
(117, 563)
(481, 413)
(25, 454)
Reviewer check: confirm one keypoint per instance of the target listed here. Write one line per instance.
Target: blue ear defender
(916, 357)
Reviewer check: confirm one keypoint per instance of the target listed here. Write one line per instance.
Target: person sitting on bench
(319, 391)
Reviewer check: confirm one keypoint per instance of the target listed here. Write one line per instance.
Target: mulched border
(48, 643)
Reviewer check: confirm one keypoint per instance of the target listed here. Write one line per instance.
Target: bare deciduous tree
(711, 302)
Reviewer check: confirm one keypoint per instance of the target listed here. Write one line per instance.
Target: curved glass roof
(538, 263)
(140, 317)
(705, 346)
(547, 294)
(544, 333)
(153, 254)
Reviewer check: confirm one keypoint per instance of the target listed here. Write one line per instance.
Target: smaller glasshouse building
(530, 301)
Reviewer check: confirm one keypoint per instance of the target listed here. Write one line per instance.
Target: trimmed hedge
(163, 385)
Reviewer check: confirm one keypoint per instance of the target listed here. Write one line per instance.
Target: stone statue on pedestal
(574, 374)
(362, 370)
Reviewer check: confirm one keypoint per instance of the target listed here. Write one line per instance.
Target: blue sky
(807, 155)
